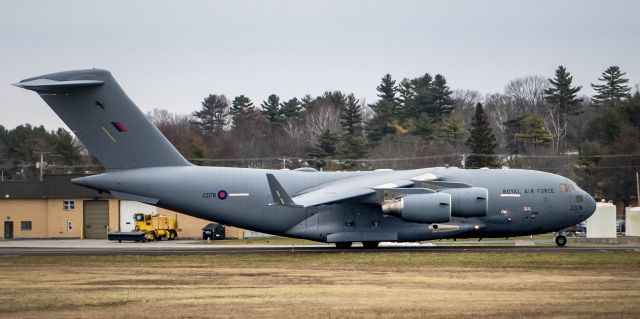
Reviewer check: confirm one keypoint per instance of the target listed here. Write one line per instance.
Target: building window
(25, 225)
(69, 204)
(69, 225)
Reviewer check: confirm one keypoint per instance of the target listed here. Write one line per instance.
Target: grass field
(344, 285)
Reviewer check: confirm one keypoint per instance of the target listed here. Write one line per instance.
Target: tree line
(536, 122)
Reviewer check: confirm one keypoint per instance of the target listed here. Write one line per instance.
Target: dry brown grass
(345, 285)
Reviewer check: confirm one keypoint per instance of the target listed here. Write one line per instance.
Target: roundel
(222, 194)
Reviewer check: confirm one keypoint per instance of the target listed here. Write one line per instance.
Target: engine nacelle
(468, 201)
(420, 208)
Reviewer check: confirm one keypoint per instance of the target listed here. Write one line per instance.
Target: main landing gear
(344, 245)
(365, 245)
(561, 240)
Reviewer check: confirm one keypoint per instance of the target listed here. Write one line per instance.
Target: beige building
(56, 208)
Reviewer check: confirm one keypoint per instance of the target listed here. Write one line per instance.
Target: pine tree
(423, 126)
(324, 148)
(351, 116)
(442, 102)
(308, 102)
(423, 97)
(534, 132)
(290, 109)
(241, 105)
(613, 89)
(214, 115)
(481, 141)
(562, 96)
(380, 124)
(406, 94)
(271, 109)
(352, 140)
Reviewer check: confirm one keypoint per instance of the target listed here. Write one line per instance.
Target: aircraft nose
(590, 204)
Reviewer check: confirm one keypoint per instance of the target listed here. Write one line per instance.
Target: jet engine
(468, 201)
(420, 208)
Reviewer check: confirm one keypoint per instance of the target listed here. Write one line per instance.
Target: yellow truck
(149, 227)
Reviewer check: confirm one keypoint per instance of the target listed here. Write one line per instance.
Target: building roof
(52, 186)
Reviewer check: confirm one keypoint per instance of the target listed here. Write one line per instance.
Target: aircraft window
(566, 188)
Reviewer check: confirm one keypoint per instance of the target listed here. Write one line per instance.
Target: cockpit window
(564, 188)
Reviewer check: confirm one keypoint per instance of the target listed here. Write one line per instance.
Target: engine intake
(420, 208)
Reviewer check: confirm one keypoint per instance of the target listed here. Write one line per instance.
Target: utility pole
(41, 163)
(637, 190)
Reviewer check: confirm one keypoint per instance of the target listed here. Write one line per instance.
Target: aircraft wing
(331, 192)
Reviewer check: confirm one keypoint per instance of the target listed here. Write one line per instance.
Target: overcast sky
(171, 54)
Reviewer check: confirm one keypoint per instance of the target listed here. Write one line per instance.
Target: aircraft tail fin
(104, 119)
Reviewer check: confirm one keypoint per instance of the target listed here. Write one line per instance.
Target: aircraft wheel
(370, 244)
(344, 245)
(561, 240)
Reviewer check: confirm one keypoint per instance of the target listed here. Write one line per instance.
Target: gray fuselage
(520, 202)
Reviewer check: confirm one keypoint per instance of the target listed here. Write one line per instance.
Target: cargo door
(96, 219)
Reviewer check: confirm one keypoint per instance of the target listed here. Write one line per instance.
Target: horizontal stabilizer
(48, 85)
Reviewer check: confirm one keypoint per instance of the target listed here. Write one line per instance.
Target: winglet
(278, 193)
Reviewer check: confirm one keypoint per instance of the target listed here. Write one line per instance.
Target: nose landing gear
(561, 240)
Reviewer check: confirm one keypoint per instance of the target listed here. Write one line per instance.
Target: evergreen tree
(380, 124)
(324, 148)
(271, 108)
(290, 109)
(452, 129)
(406, 94)
(423, 97)
(241, 105)
(481, 141)
(562, 96)
(533, 131)
(613, 89)
(308, 102)
(351, 116)
(423, 126)
(214, 115)
(442, 102)
(353, 143)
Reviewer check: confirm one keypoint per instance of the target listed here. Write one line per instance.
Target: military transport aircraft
(333, 207)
